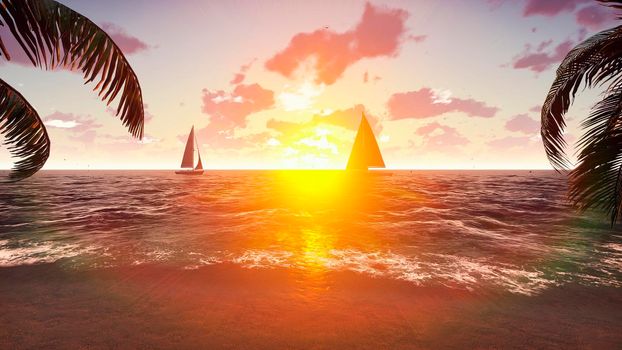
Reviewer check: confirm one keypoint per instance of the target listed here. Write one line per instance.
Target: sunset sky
(282, 84)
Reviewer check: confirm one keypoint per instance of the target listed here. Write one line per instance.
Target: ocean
(511, 234)
(512, 231)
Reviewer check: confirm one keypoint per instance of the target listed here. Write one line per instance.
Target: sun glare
(301, 98)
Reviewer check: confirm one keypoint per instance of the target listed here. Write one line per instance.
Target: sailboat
(365, 152)
(187, 162)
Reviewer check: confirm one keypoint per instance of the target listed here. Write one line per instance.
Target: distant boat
(187, 162)
(365, 152)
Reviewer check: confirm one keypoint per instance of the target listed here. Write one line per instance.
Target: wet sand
(228, 307)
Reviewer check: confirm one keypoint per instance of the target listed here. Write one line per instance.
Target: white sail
(365, 152)
(188, 159)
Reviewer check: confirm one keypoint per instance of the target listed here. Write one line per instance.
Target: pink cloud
(228, 111)
(127, 43)
(594, 17)
(70, 122)
(540, 59)
(550, 8)
(80, 128)
(233, 109)
(425, 103)
(213, 136)
(523, 123)
(440, 138)
(239, 77)
(379, 33)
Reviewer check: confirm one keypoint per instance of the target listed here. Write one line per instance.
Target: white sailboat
(187, 162)
(365, 152)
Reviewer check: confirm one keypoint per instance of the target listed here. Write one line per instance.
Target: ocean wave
(472, 230)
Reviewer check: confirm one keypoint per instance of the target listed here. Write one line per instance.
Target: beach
(228, 307)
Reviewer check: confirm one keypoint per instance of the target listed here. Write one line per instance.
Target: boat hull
(189, 172)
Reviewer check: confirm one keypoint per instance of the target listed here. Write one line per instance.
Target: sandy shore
(227, 307)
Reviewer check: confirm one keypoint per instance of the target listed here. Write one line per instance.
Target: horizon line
(289, 169)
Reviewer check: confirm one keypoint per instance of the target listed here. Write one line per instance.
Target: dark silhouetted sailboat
(365, 152)
(187, 162)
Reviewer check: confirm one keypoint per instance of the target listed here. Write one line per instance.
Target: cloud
(587, 13)
(523, 123)
(213, 136)
(348, 119)
(301, 97)
(129, 44)
(541, 59)
(379, 33)
(509, 142)
(550, 8)
(80, 128)
(440, 138)
(231, 110)
(239, 77)
(426, 103)
(594, 17)
(71, 122)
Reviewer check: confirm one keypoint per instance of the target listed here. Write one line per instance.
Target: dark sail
(365, 152)
(188, 159)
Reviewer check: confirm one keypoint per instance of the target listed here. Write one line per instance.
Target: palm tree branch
(595, 61)
(24, 133)
(53, 35)
(596, 181)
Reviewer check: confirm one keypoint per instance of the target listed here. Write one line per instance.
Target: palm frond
(595, 61)
(596, 182)
(24, 133)
(53, 35)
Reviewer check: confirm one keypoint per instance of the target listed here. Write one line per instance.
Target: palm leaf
(53, 35)
(594, 61)
(24, 133)
(596, 181)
